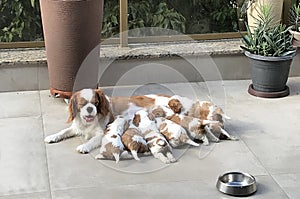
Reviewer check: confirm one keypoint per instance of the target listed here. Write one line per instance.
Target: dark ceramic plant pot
(269, 75)
(72, 31)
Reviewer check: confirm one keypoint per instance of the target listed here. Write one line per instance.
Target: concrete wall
(141, 71)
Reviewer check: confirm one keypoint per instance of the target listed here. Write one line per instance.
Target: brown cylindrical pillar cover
(72, 31)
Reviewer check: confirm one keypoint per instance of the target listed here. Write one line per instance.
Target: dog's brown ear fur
(136, 120)
(103, 107)
(175, 105)
(151, 116)
(73, 109)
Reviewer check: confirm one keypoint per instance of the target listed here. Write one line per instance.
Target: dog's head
(143, 116)
(88, 104)
(175, 105)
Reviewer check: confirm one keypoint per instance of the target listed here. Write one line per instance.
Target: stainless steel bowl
(236, 184)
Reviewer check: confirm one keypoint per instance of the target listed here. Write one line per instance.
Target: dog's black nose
(89, 109)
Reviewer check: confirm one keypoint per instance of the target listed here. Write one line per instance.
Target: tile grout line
(46, 156)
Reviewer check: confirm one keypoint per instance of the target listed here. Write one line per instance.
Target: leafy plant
(20, 20)
(206, 16)
(110, 24)
(224, 16)
(168, 18)
(268, 39)
(294, 18)
(145, 13)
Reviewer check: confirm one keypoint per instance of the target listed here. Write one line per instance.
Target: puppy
(112, 146)
(157, 143)
(134, 141)
(203, 110)
(174, 133)
(208, 111)
(194, 126)
(89, 112)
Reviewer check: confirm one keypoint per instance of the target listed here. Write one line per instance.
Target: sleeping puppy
(195, 127)
(203, 110)
(112, 146)
(134, 141)
(157, 143)
(208, 111)
(89, 112)
(174, 133)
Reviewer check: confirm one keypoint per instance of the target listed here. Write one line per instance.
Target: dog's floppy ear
(136, 120)
(151, 116)
(103, 107)
(73, 109)
(126, 125)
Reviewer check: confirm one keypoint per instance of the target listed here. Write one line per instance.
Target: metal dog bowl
(236, 184)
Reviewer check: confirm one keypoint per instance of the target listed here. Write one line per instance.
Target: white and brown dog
(194, 126)
(112, 146)
(89, 112)
(134, 141)
(174, 133)
(157, 143)
(203, 110)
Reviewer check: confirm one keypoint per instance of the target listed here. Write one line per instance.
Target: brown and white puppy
(134, 141)
(194, 126)
(89, 112)
(203, 110)
(174, 133)
(112, 146)
(157, 143)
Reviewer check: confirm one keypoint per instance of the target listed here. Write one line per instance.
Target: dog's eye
(96, 103)
(82, 104)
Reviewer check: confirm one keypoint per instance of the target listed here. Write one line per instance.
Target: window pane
(186, 16)
(207, 16)
(20, 21)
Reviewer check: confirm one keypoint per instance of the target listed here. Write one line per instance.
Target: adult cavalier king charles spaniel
(89, 112)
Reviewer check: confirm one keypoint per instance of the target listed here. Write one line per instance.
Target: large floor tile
(19, 104)
(267, 189)
(51, 105)
(290, 183)
(38, 195)
(23, 167)
(270, 130)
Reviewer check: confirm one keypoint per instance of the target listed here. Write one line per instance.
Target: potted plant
(294, 20)
(270, 52)
(72, 31)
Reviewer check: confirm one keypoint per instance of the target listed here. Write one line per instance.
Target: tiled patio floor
(269, 149)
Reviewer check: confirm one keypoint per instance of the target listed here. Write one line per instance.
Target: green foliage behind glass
(142, 13)
(20, 20)
(208, 16)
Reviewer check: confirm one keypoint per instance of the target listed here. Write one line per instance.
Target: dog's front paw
(83, 148)
(51, 139)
